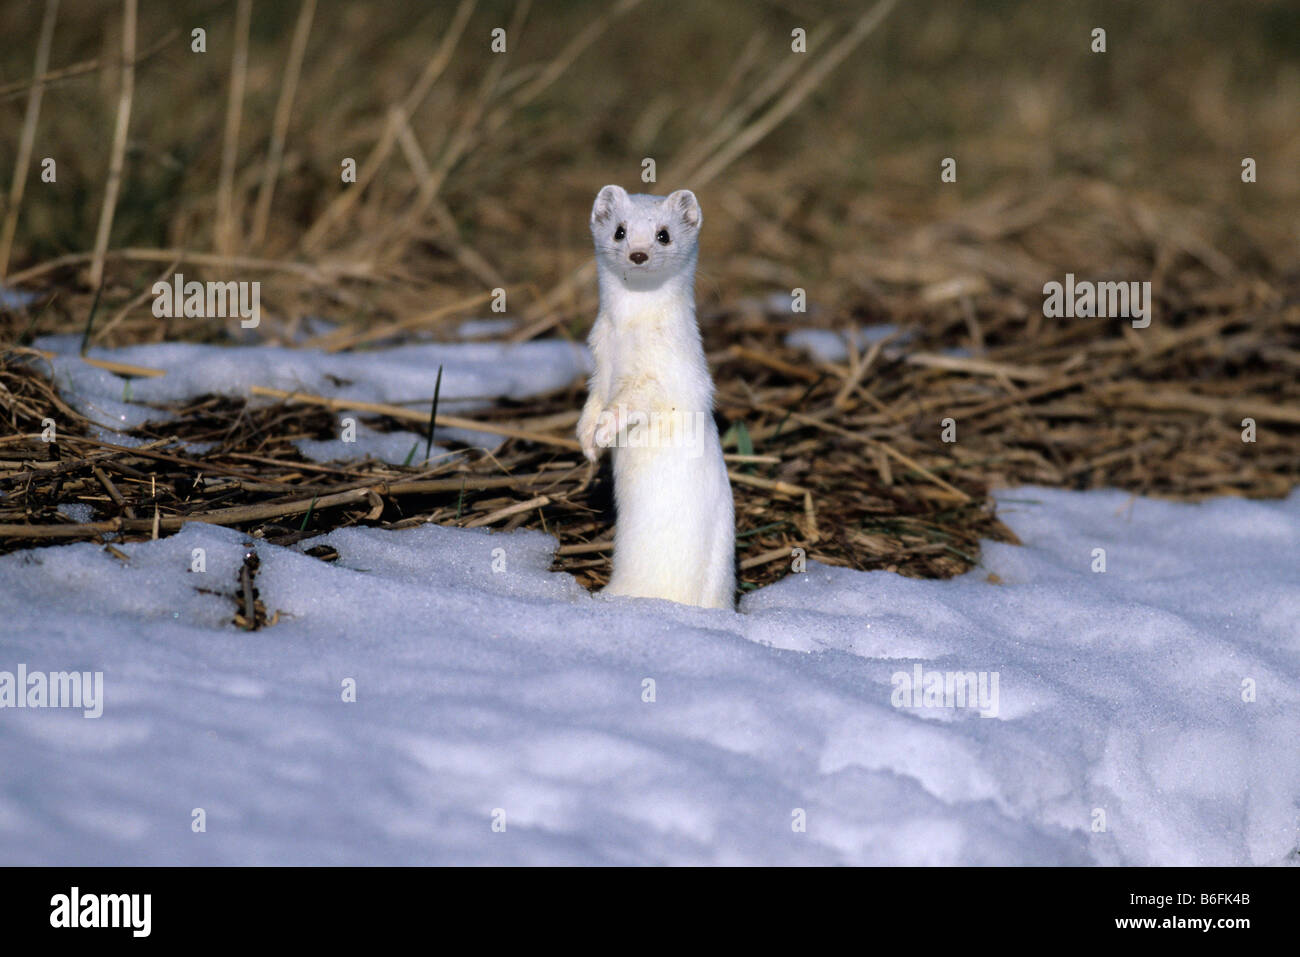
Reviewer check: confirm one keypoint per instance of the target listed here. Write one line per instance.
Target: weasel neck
(624, 303)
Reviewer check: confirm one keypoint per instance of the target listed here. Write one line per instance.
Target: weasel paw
(587, 437)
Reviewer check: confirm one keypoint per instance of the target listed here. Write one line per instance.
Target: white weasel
(651, 400)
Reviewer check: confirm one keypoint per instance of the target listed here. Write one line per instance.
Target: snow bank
(488, 688)
(474, 375)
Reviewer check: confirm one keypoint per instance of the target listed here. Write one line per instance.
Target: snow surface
(831, 345)
(1120, 693)
(16, 298)
(474, 375)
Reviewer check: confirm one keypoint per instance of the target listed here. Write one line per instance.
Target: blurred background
(1121, 155)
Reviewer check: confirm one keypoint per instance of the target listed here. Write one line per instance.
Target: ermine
(651, 403)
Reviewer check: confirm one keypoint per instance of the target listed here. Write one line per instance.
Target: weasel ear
(607, 200)
(685, 205)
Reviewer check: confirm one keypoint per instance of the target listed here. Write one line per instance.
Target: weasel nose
(638, 257)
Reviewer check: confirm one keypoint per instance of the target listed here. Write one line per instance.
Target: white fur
(675, 531)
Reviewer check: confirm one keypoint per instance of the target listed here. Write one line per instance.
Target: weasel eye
(663, 237)
(619, 233)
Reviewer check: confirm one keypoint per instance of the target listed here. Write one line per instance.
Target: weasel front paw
(600, 429)
(587, 426)
(609, 426)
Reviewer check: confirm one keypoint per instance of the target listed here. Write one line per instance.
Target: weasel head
(646, 240)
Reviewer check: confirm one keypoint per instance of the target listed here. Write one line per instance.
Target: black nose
(638, 258)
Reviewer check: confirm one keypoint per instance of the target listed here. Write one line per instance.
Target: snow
(485, 328)
(16, 299)
(474, 374)
(830, 345)
(486, 684)
(395, 448)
